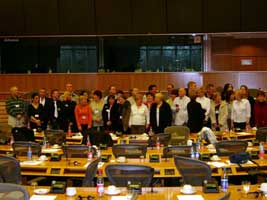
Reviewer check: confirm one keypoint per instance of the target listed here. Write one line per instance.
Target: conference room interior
(133, 99)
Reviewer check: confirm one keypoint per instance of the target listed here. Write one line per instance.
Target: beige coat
(223, 114)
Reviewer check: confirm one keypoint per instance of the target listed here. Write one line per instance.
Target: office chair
(179, 134)
(55, 137)
(169, 152)
(21, 148)
(90, 173)
(13, 191)
(119, 175)
(164, 139)
(129, 150)
(226, 196)
(261, 134)
(77, 151)
(193, 172)
(229, 147)
(9, 170)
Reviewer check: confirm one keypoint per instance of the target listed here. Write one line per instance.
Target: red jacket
(260, 114)
(83, 115)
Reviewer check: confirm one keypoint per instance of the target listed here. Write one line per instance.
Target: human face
(230, 88)
(69, 87)
(158, 100)
(111, 101)
(154, 90)
(121, 100)
(238, 96)
(193, 86)
(261, 98)
(84, 101)
(181, 92)
(150, 99)
(35, 100)
(15, 92)
(200, 93)
(169, 88)
(218, 99)
(55, 95)
(96, 98)
(211, 90)
(139, 101)
(113, 90)
(135, 91)
(42, 93)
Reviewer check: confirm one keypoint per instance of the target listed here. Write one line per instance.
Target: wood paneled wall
(124, 81)
(49, 17)
(227, 53)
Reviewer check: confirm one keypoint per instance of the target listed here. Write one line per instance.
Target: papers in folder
(43, 197)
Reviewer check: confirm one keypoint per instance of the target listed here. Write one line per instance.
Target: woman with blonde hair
(218, 113)
(83, 115)
(241, 111)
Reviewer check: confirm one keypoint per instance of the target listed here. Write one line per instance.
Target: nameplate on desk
(169, 172)
(55, 171)
(154, 158)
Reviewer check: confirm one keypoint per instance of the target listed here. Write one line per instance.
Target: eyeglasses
(88, 197)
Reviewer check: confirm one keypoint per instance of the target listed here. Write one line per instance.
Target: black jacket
(114, 116)
(165, 117)
(68, 108)
(196, 116)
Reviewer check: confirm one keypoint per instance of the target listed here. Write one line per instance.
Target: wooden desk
(160, 193)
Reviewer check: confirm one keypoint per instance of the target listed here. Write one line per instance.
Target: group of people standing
(193, 106)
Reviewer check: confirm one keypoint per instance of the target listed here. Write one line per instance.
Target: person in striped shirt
(15, 108)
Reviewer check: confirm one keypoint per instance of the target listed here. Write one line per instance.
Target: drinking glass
(246, 187)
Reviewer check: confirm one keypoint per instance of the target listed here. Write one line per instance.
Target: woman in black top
(160, 114)
(68, 113)
(196, 114)
(35, 113)
(110, 114)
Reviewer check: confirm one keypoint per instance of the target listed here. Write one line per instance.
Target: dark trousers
(138, 129)
(241, 125)
(85, 132)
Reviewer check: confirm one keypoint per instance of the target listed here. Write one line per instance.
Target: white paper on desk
(190, 197)
(31, 162)
(77, 137)
(42, 197)
(217, 164)
(50, 150)
(100, 164)
(119, 198)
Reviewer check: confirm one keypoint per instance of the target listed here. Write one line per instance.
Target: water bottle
(29, 153)
(100, 184)
(262, 151)
(129, 190)
(224, 181)
(158, 143)
(192, 152)
(44, 142)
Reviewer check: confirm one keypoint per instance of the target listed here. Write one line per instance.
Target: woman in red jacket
(83, 115)
(260, 110)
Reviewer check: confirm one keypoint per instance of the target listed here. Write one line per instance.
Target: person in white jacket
(205, 104)
(180, 107)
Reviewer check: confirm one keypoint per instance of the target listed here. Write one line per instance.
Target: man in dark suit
(47, 105)
(196, 114)
(56, 111)
(160, 114)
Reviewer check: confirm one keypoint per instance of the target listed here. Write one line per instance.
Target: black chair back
(163, 138)
(90, 173)
(13, 191)
(179, 134)
(10, 171)
(261, 134)
(129, 150)
(21, 148)
(55, 137)
(23, 134)
(193, 172)
(77, 151)
(171, 151)
(229, 147)
(119, 175)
